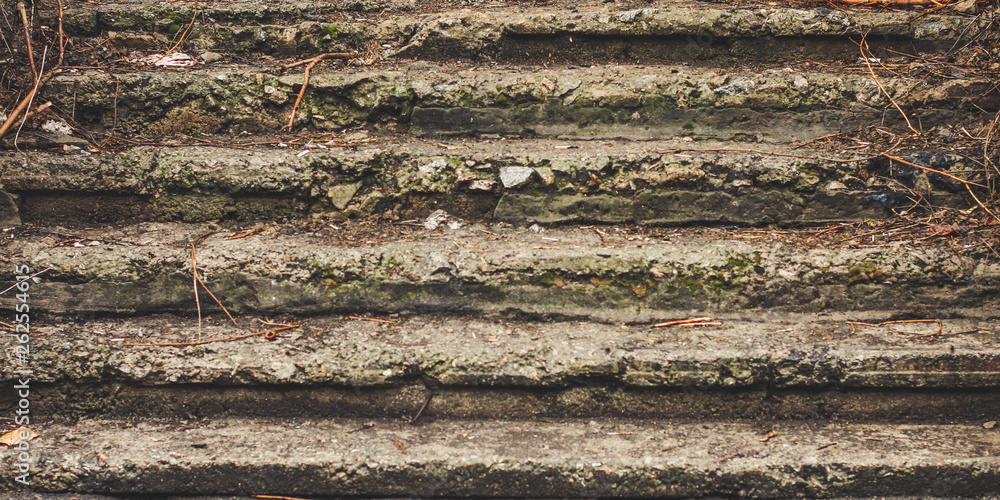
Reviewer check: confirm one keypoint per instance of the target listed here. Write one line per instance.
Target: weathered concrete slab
(560, 273)
(459, 458)
(750, 367)
(589, 33)
(528, 354)
(604, 102)
(807, 351)
(521, 182)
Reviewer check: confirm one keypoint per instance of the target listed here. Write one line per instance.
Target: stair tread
(636, 102)
(573, 273)
(294, 168)
(745, 350)
(568, 457)
(475, 225)
(585, 17)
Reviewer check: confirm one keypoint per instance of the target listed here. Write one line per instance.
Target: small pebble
(211, 57)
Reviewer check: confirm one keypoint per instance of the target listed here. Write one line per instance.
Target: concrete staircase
(466, 268)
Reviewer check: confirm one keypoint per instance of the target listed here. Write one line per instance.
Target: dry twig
(198, 281)
(60, 34)
(180, 40)
(399, 444)
(5, 290)
(195, 280)
(700, 319)
(27, 38)
(28, 99)
(268, 334)
(834, 228)
(933, 336)
(413, 421)
(933, 170)
(867, 56)
(310, 64)
(373, 320)
(244, 234)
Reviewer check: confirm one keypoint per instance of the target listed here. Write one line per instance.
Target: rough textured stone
(638, 281)
(512, 177)
(659, 182)
(569, 458)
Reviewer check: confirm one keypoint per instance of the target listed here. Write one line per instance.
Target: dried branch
(373, 320)
(867, 56)
(61, 34)
(194, 282)
(28, 99)
(210, 294)
(310, 64)
(27, 38)
(268, 334)
(5, 290)
(702, 319)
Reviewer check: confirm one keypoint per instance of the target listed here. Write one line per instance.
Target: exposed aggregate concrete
(568, 458)
(776, 367)
(671, 182)
(568, 273)
(526, 354)
(602, 102)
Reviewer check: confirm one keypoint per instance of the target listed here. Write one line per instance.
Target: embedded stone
(512, 177)
(341, 195)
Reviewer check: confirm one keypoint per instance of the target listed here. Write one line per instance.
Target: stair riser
(616, 302)
(670, 208)
(688, 404)
(582, 103)
(640, 185)
(439, 479)
(647, 36)
(476, 366)
(694, 49)
(444, 324)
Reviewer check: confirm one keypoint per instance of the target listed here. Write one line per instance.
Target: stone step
(443, 347)
(516, 181)
(611, 102)
(612, 274)
(509, 458)
(581, 33)
(743, 367)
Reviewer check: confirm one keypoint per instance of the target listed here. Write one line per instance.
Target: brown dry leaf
(11, 438)
(14, 437)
